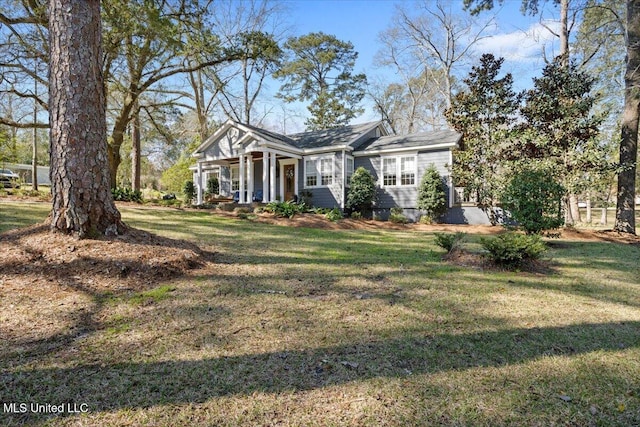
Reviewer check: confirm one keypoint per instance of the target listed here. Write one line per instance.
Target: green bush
(397, 216)
(285, 209)
(334, 214)
(189, 191)
(450, 241)
(432, 197)
(121, 194)
(213, 186)
(362, 191)
(534, 199)
(356, 215)
(512, 249)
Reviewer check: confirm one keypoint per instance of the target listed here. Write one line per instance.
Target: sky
(520, 39)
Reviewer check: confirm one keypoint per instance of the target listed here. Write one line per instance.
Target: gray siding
(222, 148)
(328, 196)
(225, 181)
(404, 197)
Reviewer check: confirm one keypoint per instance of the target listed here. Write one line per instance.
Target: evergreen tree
(431, 194)
(320, 69)
(484, 113)
(362, 190)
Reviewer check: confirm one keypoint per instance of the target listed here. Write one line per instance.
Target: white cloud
(522, 45)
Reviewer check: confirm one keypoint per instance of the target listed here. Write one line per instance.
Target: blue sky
(519, 39)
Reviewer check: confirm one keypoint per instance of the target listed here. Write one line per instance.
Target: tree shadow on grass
(143, 385)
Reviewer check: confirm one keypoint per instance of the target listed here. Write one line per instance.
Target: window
(349, 169)
(408, 170)
(399, 171)
(318, 171)
(311, 173)
(389, 171)
(326, 171)
(235, 178)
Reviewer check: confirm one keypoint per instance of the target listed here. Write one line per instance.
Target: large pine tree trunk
(82, 201)
(625, 209)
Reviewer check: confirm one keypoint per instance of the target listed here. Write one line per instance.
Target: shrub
(450, 241)
(356, 215)
(362, 190)
(397, 216)
(213, 186)
(432, 197)
(189, 191)
(512, 249)
(121, 194)
(334, 214)
(285, 209)
(534, 200)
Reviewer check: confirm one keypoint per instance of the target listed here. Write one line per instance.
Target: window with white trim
(235, 178)
(349, 167)
(389, 171)
(310, 173)
(318, 171)
(408, 170)
(399, 171)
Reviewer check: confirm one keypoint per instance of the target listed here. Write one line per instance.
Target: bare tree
(439, 38)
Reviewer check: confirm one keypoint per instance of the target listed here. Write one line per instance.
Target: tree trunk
(589, 216)
(603, 216)
(135, 151)
(575, 209)
(82, 201)
(625, 207)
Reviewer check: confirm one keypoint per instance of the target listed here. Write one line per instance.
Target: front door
(289, 182)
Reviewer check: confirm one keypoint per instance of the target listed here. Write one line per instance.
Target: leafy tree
(319, 69)
(432, 195)
(82, 200)
(534, 199)
(562, 126)
(174, 177)
(362, 190)
(484, 113)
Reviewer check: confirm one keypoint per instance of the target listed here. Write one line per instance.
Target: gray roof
(335, 137)
(271, 136)
(423, 139)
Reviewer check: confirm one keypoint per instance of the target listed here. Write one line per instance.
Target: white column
(243, 186)
(272, 178)
(265, 177)
(249, 178)
(199, 183)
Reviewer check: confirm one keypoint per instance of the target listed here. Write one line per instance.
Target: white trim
(243, 183)
(265, 176)
(344, 179)
(452, 190)
(398, 159)
(283, 163)
(199, 184)
(318, 160)
(272, 178)
(390, 151)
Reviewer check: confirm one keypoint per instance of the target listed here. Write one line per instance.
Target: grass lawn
(309, 327)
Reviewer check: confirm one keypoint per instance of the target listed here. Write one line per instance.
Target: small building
(25, 172)
(260, 165)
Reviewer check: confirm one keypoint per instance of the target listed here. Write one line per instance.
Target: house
(261, 165)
